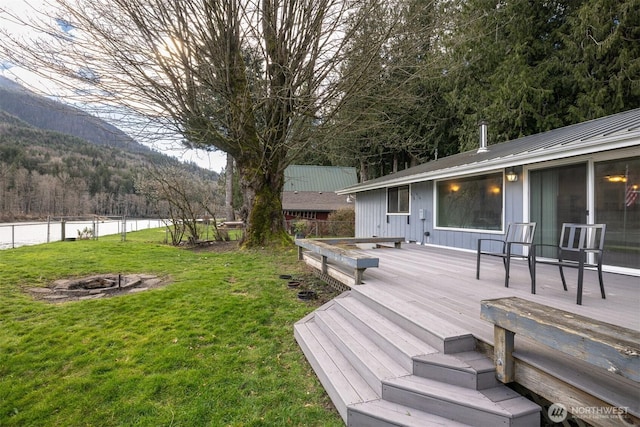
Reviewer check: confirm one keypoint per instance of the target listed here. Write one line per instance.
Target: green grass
(213, 348)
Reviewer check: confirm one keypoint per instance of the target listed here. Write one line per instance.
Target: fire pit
(97, 286)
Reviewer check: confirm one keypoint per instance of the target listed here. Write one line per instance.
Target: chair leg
(533, 278)
(507, 266)
(530, 265)
(600, 278)
(478, 266)
(564, 282)
(532, 271)
(580, 277)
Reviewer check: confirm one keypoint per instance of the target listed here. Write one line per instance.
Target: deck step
(442, 335)
(469, 369)
(371, 361)
(379, 374)
(382, 413)
(343, 383)
(491, 407)
(401, 345)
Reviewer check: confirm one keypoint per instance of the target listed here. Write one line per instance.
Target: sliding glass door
(617, 204)
(557, 195)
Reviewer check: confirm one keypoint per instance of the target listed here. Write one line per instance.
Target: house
(584, 173)
(310, 191)
(410, 342)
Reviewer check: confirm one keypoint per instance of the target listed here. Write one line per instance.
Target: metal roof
(318, 178)
(314, 201)
(620, 130)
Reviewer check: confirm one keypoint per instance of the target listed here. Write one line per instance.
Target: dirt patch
(97, 286)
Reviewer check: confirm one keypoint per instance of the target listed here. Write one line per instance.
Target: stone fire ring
(97, 286)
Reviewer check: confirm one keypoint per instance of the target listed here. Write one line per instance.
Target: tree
(186, 200)
(250, 78)
(603, 46)
(396, 119)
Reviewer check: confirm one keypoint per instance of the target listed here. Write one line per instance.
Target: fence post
(124, 228)
(62, 223)
(13, 236)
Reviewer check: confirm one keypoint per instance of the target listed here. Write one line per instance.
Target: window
(398, 200)
(474, 202)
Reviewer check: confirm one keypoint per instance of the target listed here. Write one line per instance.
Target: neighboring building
(584, 173)
(310, 191)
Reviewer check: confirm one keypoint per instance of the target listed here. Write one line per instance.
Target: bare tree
(249, 77)
(187, 200)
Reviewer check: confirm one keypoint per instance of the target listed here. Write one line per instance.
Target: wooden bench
(378, 241)
(606, 346)
(328, 250)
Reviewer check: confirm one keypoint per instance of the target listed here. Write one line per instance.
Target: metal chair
(579, 240)
(518, 234)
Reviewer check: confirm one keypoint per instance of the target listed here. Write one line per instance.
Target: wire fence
(13, 235)
(320, 228)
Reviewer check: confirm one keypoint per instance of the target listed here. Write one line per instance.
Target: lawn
(214, 347)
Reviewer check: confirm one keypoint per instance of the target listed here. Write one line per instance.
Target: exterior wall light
(512, 176)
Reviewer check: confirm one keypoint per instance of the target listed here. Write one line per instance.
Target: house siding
(372, 219)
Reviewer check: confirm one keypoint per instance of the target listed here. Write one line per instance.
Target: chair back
(520, 232)
(575, 237)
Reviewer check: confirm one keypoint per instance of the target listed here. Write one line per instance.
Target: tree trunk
(262, 209)
(228, 195)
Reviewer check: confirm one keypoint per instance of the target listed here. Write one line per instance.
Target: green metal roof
(318, 178)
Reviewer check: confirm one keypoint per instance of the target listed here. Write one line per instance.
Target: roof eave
(528, 157)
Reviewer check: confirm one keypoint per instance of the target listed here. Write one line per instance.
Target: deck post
(300, 256)
(503, 354)
(324, 265)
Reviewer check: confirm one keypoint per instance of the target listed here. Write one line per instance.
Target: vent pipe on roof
(483, 137)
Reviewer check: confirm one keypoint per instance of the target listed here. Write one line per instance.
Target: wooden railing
(601, 344)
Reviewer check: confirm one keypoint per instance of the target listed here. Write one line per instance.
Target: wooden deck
(433, 274)
(441, 283)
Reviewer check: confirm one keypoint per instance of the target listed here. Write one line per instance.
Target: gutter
(564, 151)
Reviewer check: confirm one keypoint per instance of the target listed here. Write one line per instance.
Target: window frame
(398, 201)
(451, 181)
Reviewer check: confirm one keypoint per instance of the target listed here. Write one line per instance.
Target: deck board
(423, 272)
(442, 281)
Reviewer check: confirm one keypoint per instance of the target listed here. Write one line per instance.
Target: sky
(215, 161)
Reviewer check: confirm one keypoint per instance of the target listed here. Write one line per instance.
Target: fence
(17, 234)
(320, 228)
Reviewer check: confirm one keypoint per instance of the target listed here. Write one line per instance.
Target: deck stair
(384, 363)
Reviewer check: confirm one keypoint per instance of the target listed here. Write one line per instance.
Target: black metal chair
(577, 241)
(518, 234)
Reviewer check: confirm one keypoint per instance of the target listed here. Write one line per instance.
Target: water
(13, 235)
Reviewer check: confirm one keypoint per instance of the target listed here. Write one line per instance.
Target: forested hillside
(45, 173)
(44, 113)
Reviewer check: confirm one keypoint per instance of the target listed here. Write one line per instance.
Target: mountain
(56, 160)
(45, 113)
